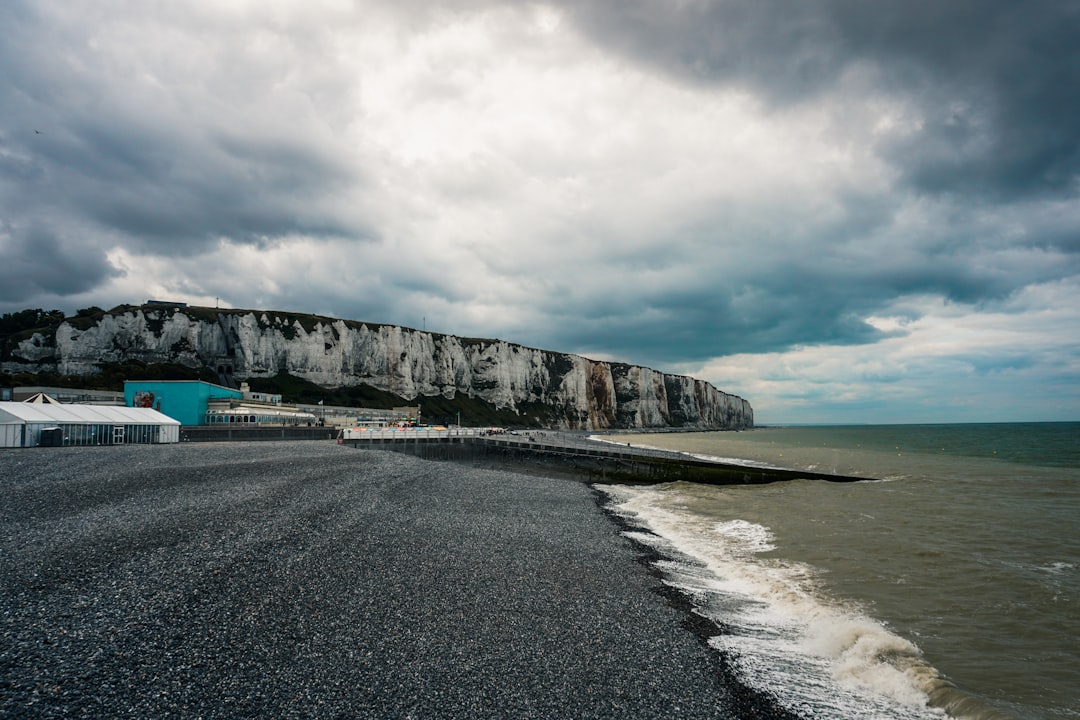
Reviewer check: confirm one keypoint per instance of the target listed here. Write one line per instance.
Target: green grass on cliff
(111, 377)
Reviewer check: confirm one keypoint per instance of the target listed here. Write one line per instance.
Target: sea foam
(817, 654)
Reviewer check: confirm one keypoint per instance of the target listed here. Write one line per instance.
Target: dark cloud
(997, 83)
(1000, 363)
(818, 290)
(713, 328)
(193, 194)
(35, 262)
(159, 163)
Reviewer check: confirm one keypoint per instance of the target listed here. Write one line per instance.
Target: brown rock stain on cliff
(601, 396)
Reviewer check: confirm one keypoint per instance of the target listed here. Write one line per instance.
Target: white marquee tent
(33, 424)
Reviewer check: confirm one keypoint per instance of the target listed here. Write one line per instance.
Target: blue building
(194, 402)
(183, 400)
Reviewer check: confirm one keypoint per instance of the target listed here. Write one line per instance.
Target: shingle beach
(311, 580)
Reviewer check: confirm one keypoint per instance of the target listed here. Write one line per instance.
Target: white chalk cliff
(582, 393)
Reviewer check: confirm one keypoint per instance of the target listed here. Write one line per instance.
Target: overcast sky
(843, 211)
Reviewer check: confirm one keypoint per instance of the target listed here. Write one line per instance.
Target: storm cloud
(992, 89)
(813, 205)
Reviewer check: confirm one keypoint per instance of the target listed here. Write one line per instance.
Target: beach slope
(303, 579)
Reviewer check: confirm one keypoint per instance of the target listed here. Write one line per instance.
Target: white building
(69, 395)
(33, 425)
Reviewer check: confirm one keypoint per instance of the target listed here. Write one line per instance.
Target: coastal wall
(581, 393)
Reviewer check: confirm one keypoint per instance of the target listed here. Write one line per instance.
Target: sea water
(947, 583)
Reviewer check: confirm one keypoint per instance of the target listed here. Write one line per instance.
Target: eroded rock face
(583, 393)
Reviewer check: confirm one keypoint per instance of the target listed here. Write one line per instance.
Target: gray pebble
(311, 580)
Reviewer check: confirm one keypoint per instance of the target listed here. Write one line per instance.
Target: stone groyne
(588, 460)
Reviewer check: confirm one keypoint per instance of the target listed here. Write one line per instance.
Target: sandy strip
(308, 579)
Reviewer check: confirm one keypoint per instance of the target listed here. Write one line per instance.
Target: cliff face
(584, 393)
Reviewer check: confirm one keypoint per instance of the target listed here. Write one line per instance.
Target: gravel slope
(307, 579)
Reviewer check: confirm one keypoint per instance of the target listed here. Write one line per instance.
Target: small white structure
(33, 424)
(41, 399)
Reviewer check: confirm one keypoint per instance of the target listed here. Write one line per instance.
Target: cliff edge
(581, 393)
